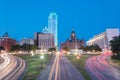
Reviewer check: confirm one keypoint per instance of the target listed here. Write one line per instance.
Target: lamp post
(41, 58)
(32, 54)
(78, 57)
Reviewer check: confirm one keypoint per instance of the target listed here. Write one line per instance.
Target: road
(99, 69)
(1, 60)
(12, 68)
(60, 69)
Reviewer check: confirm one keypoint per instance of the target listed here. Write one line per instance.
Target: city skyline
(22, 18)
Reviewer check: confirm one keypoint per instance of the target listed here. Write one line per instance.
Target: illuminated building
(103, 39)
(27, 41)
(53, 26)
(44, 40)
(7, 42)
(73, 42)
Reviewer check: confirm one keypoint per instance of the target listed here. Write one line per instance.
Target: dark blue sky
(21, 18)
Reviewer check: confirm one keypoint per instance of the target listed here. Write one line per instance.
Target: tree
(87, 48)
(2, 48)
(33, 47)
(115, 47)
(97, 48)
(66, 48)
(15, 48)
(82, 47)
(92, 48)
(51, 49)
(26, 47)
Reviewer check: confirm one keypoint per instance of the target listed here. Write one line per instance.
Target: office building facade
(44, 40)
(103, 39)
(27, 41)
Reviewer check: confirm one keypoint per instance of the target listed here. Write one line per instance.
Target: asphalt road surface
(60, 69)
(12, 68)
(100, 69)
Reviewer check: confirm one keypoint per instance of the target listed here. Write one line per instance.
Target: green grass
(34, 65)
(116, 61)
(80, 64)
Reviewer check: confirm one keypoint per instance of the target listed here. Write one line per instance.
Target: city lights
(41, 57)
(78, 57)
(60, 40)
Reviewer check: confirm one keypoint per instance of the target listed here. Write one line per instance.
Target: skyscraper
(53, 26)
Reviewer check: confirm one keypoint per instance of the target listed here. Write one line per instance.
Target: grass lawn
(116, 61)
(80, 64)
(34, 65)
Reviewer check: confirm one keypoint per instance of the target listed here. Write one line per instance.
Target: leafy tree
(33, 47)
(97, 48)
(82, 47)
(66, 48)
(15, 48)
(92, 48)
(115, 47)
(51, 49)
(87, 48)
(26, 47)
(2, 48)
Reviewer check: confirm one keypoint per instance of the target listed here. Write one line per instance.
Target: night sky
(21, 18)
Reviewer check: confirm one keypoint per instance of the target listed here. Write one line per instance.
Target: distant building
(7, 42)
(103, 39)
(53, 26)
(44, 40)
(73, 42)
(36, 36)
(27, 41)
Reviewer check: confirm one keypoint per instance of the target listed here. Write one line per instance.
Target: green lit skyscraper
(53, 26)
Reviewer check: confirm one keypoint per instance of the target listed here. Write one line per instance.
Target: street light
(50, 53)
(75, 53)
(20, 52)
(32, 54)
(78, 57)
(68, 52)
(41, 58)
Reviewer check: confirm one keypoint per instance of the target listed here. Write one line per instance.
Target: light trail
(12, 68)
(56, 63)
(57, 67)
(100, 69)
(60, 69)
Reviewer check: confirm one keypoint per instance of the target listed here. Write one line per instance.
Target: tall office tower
(53, 26)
